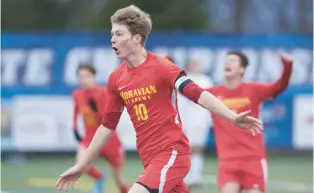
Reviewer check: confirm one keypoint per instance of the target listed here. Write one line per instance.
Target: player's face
(232, 67)
(86, 78)
(122, 41)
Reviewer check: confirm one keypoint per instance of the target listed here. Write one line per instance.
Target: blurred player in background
(90, 103)
(196, 123)
(242, 157)
(147, 85)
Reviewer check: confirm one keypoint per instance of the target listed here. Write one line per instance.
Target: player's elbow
(202, 101)
(105, 130)
(103, 134)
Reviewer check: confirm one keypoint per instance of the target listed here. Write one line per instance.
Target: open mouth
(115, 49)
(227, 69)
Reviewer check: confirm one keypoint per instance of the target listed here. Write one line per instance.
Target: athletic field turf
(39, 174)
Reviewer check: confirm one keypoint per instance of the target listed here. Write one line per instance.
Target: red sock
(93, 172)
(124, 189)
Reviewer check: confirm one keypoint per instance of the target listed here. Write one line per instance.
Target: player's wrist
(233, 117)
(80, 166)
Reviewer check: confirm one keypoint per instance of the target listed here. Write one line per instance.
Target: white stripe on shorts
(265, 171)
(165, 169)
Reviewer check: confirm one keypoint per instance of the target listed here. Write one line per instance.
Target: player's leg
(119, 179)
(230, 187)
(254, 191)
(139, 188)
(181, 187)
(197, 163)
(255, 175)
(197, 137)
(92, 171)
(228, 177)
(113, 153)
(165, 173)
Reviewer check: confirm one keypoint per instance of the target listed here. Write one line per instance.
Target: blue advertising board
(45, 64)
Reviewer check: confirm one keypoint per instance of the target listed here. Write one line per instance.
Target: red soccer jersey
(232, 142)
(92, 120)
(148, 92)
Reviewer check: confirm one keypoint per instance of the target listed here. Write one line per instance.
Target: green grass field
(38, 175)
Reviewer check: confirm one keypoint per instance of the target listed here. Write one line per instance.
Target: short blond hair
(136, 20)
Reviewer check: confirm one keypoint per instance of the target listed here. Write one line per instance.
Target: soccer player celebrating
(146, 85)
(90, 101)
(195, 123)
(242, 161)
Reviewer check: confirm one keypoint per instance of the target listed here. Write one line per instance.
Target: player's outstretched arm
(75, 115)
(208, 101)
(177, 78)
(214, 105)
(70, 177)
(242, 120)
(75, 130)
(99, 140)
(271, 90)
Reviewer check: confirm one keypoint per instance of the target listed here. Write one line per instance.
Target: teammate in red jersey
(90, 101)
(242, 157)
(147, 85)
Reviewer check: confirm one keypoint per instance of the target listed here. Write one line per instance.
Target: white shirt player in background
(196, 123)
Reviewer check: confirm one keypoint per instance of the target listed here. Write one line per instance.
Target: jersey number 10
(141, 112)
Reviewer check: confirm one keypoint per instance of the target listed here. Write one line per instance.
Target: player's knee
(230, 187)
(254, 191)
(197, 150)
(137, 188)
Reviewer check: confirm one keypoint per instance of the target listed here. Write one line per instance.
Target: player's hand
(285, 58)
(249, 123)
(77, 136)
(93, 105)
(69, 178)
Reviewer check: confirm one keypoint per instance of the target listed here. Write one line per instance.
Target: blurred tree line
(231, 16)
(24, 15)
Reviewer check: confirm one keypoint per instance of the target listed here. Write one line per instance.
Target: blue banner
(46, 63)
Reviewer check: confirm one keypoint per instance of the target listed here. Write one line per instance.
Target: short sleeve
(171, 72)
(114, 102)
(114, 106)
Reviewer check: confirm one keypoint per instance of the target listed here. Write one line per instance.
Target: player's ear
(242, 70)
(137, 38)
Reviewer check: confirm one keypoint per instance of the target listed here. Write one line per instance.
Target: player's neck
(89, 86)
(232, 83)
(137, 58)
